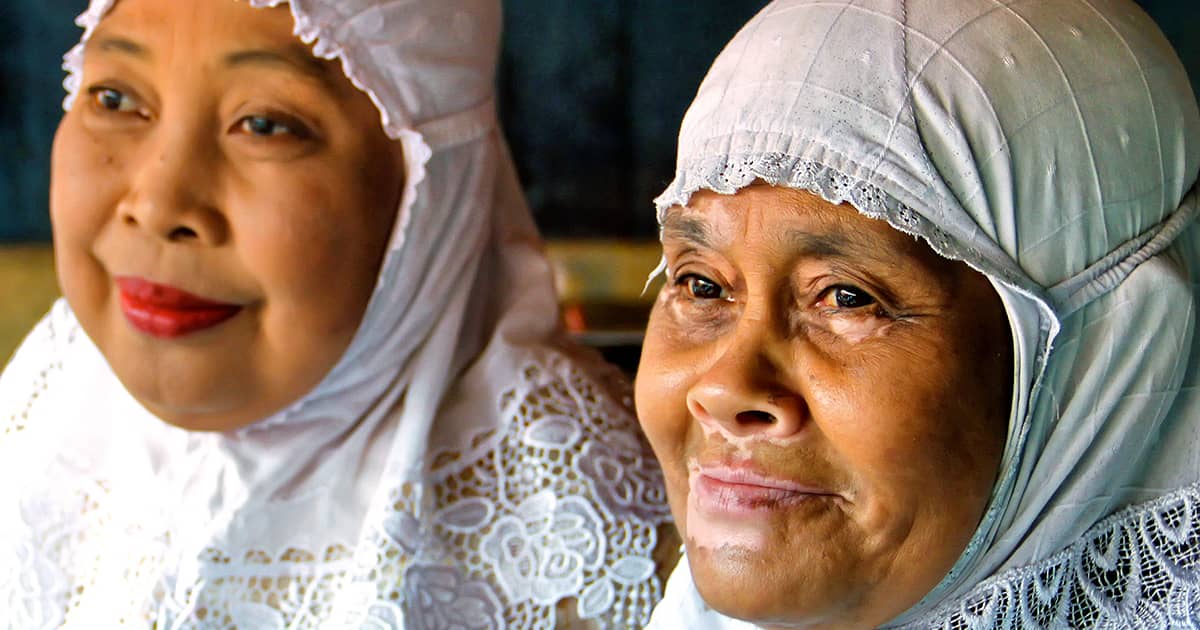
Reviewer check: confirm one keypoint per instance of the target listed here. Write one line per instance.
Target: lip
(744, 490)
(167, 312)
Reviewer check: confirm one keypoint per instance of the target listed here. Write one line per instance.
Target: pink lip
(167, 312)
(742, 490)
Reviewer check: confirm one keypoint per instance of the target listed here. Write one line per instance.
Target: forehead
(791, 221)
(210, 35)
(200, 20)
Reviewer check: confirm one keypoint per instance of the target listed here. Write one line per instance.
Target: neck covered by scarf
(1053, 146)
(460, 466)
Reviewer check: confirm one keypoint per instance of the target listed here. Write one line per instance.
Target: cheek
(912, 422)
(660, 395)
(86, 185)
(314, 247)
(84, 181)
(310, 240)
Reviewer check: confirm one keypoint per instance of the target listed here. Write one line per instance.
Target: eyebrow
(297, 60)
(108, 43)
(837, 243)
(687, 229)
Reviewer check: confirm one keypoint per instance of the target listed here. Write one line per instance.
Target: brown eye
(845, 297)
(702, 288)
(113, 100)
(262, 126)
(270, 127)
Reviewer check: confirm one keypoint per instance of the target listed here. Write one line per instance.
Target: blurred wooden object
(602, 286)
(27, 289)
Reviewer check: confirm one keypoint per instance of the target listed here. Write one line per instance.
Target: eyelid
(299, 128)
(683, 281)
(876, 307)
(140, 108)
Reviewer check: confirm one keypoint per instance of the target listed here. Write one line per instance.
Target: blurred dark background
(591, 93)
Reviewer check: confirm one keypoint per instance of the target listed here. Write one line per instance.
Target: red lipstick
(164, 311)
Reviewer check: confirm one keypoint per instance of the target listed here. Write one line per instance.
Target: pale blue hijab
(1054, 146)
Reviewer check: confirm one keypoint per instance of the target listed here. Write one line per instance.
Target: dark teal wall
(33, 36)
(591, 93)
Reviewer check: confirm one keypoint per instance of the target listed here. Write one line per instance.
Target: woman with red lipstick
(308, 370)
(926, 354)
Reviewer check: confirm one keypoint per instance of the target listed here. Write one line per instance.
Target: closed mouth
(744, 490)
(167, 312)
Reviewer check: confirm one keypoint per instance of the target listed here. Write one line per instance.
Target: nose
(745, 391)
(171, 193)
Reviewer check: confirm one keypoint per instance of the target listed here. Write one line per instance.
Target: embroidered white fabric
(1135, 569)
(454, 470)
(495, 537)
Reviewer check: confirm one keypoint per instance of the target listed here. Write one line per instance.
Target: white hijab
(1054, 146)
(460, 466)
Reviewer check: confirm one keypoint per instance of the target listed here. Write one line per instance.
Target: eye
(113, 100)
(267, 127)
(846, 298)
(702, 288)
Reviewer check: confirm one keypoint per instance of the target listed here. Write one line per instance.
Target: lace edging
(1139, 568)
(727, 174)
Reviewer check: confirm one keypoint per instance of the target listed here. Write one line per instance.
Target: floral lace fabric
(562, 503)
(1140, 568)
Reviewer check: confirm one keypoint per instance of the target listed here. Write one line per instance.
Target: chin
(193, 418)
(193, 410)
(747, 586)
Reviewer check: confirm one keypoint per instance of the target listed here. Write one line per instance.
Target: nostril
(755, 416)
(182, 234)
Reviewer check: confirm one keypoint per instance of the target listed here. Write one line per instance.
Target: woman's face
(829, 401)
(221, 201)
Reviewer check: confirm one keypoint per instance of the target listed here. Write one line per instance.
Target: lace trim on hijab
(1139, 568)
(727, 174)
(730, 173)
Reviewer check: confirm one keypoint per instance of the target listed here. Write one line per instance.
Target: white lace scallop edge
(1139, 568)
(727, 174)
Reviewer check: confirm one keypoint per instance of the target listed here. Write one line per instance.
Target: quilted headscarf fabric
(1053, 146)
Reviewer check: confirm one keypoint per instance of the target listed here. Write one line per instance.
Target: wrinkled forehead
(799, 226)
